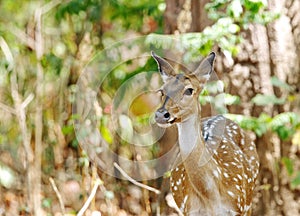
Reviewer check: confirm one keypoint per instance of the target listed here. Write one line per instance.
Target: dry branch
(59, 197)
(134, 181)
(90, 198)
(7, 108)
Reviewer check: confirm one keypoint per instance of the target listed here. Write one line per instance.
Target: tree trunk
(272, 50)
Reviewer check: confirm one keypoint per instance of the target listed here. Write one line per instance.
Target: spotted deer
(219, 163)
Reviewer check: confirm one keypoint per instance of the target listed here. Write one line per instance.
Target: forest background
(55, 53)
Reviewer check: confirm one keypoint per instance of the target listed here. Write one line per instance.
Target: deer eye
(188, 91)
(161, 92)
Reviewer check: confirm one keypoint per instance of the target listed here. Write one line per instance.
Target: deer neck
(190, 137)
(189, 133)
(191, 143)
(195, 157)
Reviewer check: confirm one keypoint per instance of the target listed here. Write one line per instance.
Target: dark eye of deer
(161, 92)
(188, 91)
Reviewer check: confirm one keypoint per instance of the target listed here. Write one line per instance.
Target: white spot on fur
(215, 173)
(230, 193)
(225, 175)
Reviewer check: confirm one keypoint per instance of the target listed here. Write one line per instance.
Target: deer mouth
(166, 124)
(171, 121)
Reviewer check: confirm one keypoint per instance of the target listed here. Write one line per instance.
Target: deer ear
(165, 69)
(205, 68)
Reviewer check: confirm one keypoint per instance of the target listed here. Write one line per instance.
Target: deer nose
(162, 116)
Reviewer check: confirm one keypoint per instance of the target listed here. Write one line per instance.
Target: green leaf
(126, 127)
(67, 129)
(52, 63)
(235, 9)
(284, 124)
(296, 181)
(167, 174)
(278, 83)
(289, 165)
(109, 195)
(47, 202)
(255, 6)
(283, 119)
(7, 176)
(258, 125)
(283, 132)
(105, 133)
(231, 99)
(263, 100)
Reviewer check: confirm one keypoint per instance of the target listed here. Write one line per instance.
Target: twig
(7, 108)
(27, 100)
(134, 181)
(50, 5)
(61, 203)
(90, 198)
(21, 117)
(38, 147)
(22, 36)
(7, 53)
(10, 59)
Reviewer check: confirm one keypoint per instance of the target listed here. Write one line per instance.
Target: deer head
(180, 91)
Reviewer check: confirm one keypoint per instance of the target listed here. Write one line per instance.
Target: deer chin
(167, 124)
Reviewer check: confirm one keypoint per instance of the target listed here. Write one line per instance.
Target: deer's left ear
(165, 69)
(205, 68)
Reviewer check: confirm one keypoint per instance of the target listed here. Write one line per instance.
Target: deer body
(219, 161)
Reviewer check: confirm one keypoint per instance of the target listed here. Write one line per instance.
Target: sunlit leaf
(296, 138)
(7, 176)
(263, 100)
(47, 202)
(67, 129)
(126, 127)
(277, 82)
(231, 99)
(109, 195)
(235, 8)
(288, 163)
(106, 135)
(296, 181)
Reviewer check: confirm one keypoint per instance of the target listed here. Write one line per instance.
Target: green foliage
(91, 9)
(289, 164)
(52, 63)
(224, 33)
(278, 83)
(263, 100)
(129, 13)
(109, 195)
(47, 203)
(293, 175)
(242, 12)
(104, 129)
(296, 181)
(126, 14)
(230, 16)
(284, 124)
(213, 94)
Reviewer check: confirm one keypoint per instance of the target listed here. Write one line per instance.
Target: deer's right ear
(165, 69)
(205, 68)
